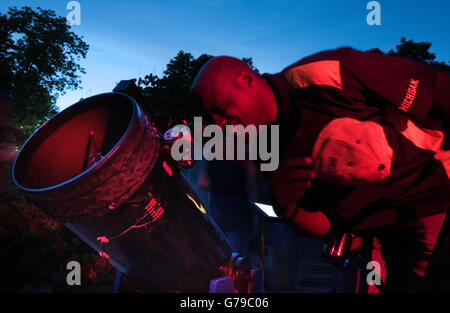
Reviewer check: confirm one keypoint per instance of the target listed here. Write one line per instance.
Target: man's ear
(245, 79)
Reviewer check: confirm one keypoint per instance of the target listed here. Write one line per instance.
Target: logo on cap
(350, 152)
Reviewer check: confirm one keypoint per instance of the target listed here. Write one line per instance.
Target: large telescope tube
(99, 166)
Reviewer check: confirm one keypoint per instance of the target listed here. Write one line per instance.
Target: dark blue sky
(132, 38)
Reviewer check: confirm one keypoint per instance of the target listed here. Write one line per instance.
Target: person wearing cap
(364, 140)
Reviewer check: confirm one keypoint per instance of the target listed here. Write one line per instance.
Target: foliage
(169, 94)
(416, 51)
(39, 58)
(35, 249)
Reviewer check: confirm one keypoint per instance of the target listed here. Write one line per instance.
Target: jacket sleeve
(409, 86)
(350, 83)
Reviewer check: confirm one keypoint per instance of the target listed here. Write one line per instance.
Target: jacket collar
(282, 93)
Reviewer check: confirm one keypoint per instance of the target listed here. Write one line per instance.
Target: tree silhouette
(39, 58)
(170, 94)
(416, 51)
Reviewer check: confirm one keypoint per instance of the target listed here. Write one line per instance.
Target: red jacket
(407, 98)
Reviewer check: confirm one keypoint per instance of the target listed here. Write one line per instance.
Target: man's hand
(289, 182)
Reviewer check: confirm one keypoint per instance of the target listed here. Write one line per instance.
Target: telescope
(103, 168)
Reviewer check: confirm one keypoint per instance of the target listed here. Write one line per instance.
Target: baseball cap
(350, 152)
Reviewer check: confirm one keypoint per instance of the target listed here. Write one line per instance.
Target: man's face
(230, 92)
(238, 101)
